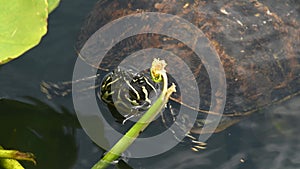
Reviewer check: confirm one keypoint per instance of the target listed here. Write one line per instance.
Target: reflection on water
(265, 140)
(278, 133)
(39, 129)
(268, 139)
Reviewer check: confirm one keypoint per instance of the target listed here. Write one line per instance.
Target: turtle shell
(257, 43)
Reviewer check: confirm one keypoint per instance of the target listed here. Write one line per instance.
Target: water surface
(49, 128)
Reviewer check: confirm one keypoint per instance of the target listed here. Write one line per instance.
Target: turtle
(257, 44)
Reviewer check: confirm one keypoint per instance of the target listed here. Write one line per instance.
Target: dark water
(49, 128)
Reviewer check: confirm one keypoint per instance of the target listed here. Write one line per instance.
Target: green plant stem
(139, 126)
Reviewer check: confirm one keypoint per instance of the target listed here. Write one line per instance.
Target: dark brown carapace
(258, 45)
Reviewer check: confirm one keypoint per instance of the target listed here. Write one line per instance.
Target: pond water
(49, 128)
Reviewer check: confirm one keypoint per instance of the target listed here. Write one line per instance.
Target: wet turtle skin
(258, 43)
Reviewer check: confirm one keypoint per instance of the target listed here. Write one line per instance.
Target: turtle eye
(139, 76)
(141, 81)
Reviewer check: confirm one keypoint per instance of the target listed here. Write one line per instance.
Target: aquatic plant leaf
(23, 23)
(52, 4)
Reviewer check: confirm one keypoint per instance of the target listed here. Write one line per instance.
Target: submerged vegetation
(40, 129)
(8, 158)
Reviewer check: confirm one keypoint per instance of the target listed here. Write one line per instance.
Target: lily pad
(23, 23)
(52, 4)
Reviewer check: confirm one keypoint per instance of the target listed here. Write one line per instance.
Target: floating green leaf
(23, 23)
(52, 4)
